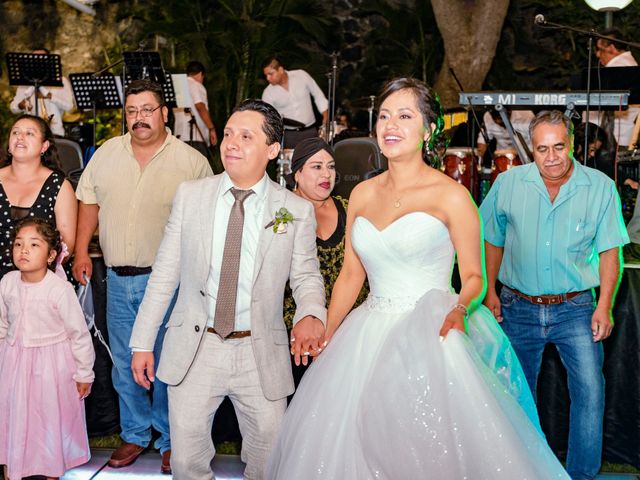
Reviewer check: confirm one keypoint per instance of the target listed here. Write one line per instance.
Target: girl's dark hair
(50, 157)
(44, 229)
(431, 110)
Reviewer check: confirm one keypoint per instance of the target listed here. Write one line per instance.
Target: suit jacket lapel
(207, 208)
(274, 201)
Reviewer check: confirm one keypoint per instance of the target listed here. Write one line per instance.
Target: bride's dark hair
(431, 110)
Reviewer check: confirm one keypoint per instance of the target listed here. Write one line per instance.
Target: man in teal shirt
(553, 231)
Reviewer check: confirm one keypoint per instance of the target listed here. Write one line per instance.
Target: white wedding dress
(388, 400)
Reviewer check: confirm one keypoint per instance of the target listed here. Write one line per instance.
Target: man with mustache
(127, 190)
(553, 231)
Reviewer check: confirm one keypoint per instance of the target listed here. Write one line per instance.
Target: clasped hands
(307, 339)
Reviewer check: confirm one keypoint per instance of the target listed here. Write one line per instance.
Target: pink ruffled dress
(42, 420)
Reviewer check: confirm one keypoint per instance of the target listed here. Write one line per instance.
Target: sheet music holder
(37, 69)
(141, 65)
(94, 92)
(100, 92)
(31, 68)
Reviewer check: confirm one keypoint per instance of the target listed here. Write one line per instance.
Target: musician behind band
(194, 125)
(612, 54)
(498, 134)
(52, 101)
(290, 92)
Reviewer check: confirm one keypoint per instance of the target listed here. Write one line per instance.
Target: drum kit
(465, 167)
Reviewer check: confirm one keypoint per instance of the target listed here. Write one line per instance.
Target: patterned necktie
(225, 314)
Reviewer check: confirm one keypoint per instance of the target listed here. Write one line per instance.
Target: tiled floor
(225, 467)
(147, 467)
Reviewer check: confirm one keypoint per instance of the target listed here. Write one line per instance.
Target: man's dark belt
(299, 129)
(547, 299)
(128, 271)
(238, 334)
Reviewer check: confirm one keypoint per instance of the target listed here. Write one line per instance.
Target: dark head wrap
(306, 149)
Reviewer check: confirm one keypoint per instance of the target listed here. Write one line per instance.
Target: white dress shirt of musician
(612, 54)
(251, 366)
(199, 108)
(53, 103)
(289, 91)
(520, 120)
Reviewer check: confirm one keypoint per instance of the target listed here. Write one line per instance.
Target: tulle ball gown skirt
(389, 400)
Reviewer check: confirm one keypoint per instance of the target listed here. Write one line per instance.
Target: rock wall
(84, 42)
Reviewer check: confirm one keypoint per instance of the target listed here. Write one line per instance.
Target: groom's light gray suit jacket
(184, 259)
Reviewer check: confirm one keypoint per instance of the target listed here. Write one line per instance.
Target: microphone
(539, 19)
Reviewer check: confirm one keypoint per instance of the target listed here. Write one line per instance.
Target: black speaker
(357, 159)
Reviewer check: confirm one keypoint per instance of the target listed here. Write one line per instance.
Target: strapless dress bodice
(403, 261)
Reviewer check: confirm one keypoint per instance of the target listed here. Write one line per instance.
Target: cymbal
(363, 102)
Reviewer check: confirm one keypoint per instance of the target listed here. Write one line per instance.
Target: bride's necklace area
(397, 203)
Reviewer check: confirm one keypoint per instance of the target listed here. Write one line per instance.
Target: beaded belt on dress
(390, 304)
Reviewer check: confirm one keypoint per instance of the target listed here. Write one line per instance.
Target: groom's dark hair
(272, 125)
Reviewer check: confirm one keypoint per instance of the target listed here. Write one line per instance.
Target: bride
(418, 382)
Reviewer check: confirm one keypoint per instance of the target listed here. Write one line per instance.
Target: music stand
(93, 92)
(141, 65)
(37, 69)
(612, 78)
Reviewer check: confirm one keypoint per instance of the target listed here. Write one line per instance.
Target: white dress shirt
(61, 101)
(253, 226)
(295, 103)
(625, 119)
(182, 127)
(520, 120)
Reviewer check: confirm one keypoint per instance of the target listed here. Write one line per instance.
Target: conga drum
(503, 160)
(461, 164)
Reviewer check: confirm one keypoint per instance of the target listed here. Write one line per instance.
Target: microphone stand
(591, 34)
(325, 126)
(332, 105)
(332, 78)
(481, 126)
(193, 124)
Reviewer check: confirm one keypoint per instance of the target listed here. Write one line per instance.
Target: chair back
(357, 159)
(70, 155)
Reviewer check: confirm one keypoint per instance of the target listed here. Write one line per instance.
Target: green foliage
(403, 41)
(231, 38)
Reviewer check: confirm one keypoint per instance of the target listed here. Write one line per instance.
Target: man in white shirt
(52, 101)
(520, 120)
(194, 124)
(290, 92)
(615, 54)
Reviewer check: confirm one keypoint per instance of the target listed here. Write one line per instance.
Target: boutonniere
(281, 220)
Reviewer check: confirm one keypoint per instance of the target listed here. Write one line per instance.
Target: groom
(231, 243)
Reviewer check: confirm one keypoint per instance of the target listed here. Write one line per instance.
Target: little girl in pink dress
(46, 361)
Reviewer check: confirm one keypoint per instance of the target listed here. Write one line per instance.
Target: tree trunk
(470, 30)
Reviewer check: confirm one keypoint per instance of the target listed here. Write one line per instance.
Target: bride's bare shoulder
(366, 190)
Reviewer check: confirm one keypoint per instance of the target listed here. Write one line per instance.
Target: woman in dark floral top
(313, 175)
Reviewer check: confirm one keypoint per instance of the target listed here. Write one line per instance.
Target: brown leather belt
(238, 334)
(547, 299)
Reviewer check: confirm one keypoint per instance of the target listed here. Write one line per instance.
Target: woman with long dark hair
(32, 184)
(418, 382)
